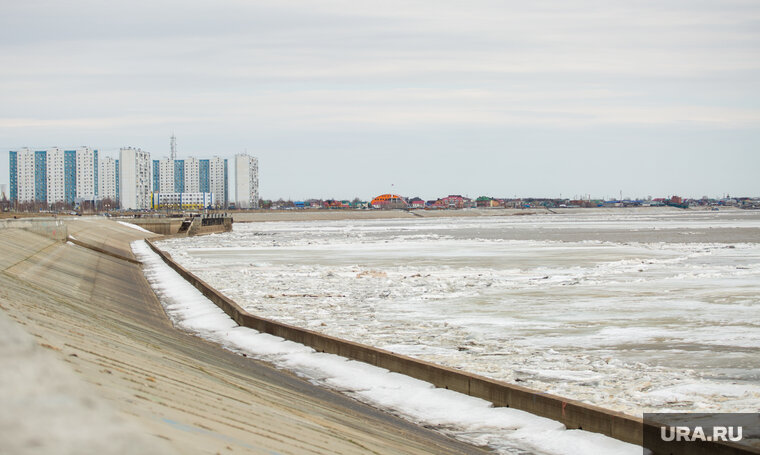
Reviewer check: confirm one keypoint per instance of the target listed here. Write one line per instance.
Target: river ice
(547, 302)
(505, 430)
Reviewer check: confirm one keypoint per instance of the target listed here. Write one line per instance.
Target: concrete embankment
(90, 362)
(52, 228)
(196, 225)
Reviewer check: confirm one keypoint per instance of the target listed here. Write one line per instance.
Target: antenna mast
(173, 148)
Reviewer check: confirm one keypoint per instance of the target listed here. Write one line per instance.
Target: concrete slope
(47, 408)
(98, 316)
(106, 234)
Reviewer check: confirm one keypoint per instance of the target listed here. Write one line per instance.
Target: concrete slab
(98, 316)
(48, 409)
(106, 233)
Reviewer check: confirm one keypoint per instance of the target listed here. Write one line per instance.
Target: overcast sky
(348, 98)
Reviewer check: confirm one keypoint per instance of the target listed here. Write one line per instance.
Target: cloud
(396, 108)
(126, 71)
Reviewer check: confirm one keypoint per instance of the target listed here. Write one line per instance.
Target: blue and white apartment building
(192, 176)
(54, 175)
(130, 181)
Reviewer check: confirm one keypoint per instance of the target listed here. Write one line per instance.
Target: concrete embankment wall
(102, 251)
(202, 226)
(51, 228)
(573, 414)
(171, 226)
(159, 225)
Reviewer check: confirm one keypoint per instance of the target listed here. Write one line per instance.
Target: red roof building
(389, 201)
(453, 201)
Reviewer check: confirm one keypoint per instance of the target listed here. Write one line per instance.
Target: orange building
(389, 201)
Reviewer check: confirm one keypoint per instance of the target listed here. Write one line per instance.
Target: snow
(470, 419)
(134, 226)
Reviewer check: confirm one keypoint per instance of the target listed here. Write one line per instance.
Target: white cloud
(91, 69)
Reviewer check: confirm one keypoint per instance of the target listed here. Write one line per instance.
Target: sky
(344, 99)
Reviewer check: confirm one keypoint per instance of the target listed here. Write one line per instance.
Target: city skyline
(427, 195)
(59, 178)
(357, 99)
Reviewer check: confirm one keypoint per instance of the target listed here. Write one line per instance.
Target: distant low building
(453, 201)
(389, 201)
(487, 202)
(333, 204)
(196, 201)
(417, 203)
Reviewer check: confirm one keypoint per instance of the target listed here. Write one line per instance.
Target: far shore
(255, 216)
(322, 214)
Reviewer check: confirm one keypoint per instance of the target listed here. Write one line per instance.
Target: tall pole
(173, 145)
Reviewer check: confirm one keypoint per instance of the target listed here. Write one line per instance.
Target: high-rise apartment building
(22, 175)
(54, 175)
(13, 170)
(218, 181)
(191, 175)
(40, 176)
(179, 176)
(134, 179)
(246, 181)
(109, 179)
(163, 182)
(204, 183)
(156, 176)
(86, 174)
(70, 175)
(56, 172)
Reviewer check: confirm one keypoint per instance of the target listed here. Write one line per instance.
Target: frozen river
(634, 311)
